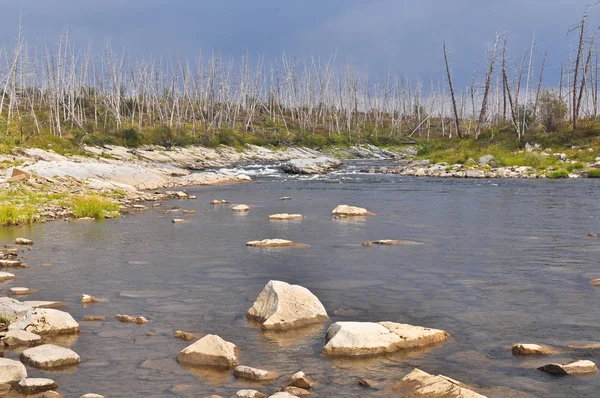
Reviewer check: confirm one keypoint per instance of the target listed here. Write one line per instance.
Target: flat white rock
(6, 276)
(274, 243)
(211, 350)
(49, 356)
(20, 290)
(46, 321)
(345, 210)
(282, 306)
(16, 337)
(254, 374)
(369, 338)
(572, 368)
(36, 385)
(240, 208)
(249, 394)
(285, 216)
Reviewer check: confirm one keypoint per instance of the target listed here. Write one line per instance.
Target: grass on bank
(93, 206)
(11, 214)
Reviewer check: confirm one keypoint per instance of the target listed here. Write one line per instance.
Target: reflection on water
(501, 262)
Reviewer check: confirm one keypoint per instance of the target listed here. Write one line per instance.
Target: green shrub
(594, 173)
(579, 165)
(561, 173)
(93, 206)
(131, 137)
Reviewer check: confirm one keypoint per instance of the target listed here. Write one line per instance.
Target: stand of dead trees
(105, 97)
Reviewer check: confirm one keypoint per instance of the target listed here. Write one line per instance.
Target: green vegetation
(594, 173)
(11, 214)
(561, 173)
(93, 206)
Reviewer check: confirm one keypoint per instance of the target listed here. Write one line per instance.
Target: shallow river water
(500, 262)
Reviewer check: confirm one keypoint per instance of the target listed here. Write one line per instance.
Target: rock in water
(49, 356)
(282, 394)
(421, 384)
(296, 391)
(275, 243)
(6, 276)
(369, 338)
(211, 350)
(285, 216)
(240, 208)
(319, 165)
(21, 338)
(23, 241)
(282, 306)
(12, 309)
(46, 321)
(36, 385)
(185, 336)
(249, 394)
(572, 368)
(140, 320)
(87, 299)
(254, 374)
(11, 372)
(300, 380)
(530, 349)
(350, 211)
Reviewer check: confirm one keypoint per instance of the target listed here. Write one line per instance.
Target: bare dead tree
(454, 107)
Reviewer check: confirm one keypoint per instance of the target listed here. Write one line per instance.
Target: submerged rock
(240, 208)
(572, 368)
(11, 372)
(36, 385)
(211, 350)
(282, 306)
(49, 356)
(275, 243)
(254, 374)
(91, 318)
(181, 335)
(319, 165)
(285, 216)
(46, 321)
(350, 211)
(369, 338)
(219, 202)
(178, 220)
(421, 384)
(530, 349)
(285, 198)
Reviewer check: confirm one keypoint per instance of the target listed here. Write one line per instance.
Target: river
(498, 262)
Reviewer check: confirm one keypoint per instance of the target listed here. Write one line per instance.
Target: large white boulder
(46, 321)
(282, 306)
(369, 338)
(49, 356)
(350, 211)
(421, 384)
(211, 350)
(12, 309)
(11, 372)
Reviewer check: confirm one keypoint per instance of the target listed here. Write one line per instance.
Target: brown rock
(296, 391)
(595, 282)
(591, 235)
(368, 244)
(530, 349)
(181, 335)
(254, 374)
(367, 383)
(87, 299)
(301, 380)
(92, 318)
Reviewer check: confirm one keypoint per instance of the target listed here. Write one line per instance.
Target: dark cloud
(374, 35)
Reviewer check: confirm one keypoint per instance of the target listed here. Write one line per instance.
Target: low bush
(561, 173)
(93, 206)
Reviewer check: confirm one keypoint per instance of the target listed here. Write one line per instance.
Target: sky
(403, 37)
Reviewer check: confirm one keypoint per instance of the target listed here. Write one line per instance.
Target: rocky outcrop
(421, 384)
(319, 165)
(212, 351)
(46, 321)
(11, 372)
(285, 216)
(369, 338)
(350, 211)
(281, 306)
(530, 349)
(572, 368)
(274, 243)
(254, 374)
(49, 356)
